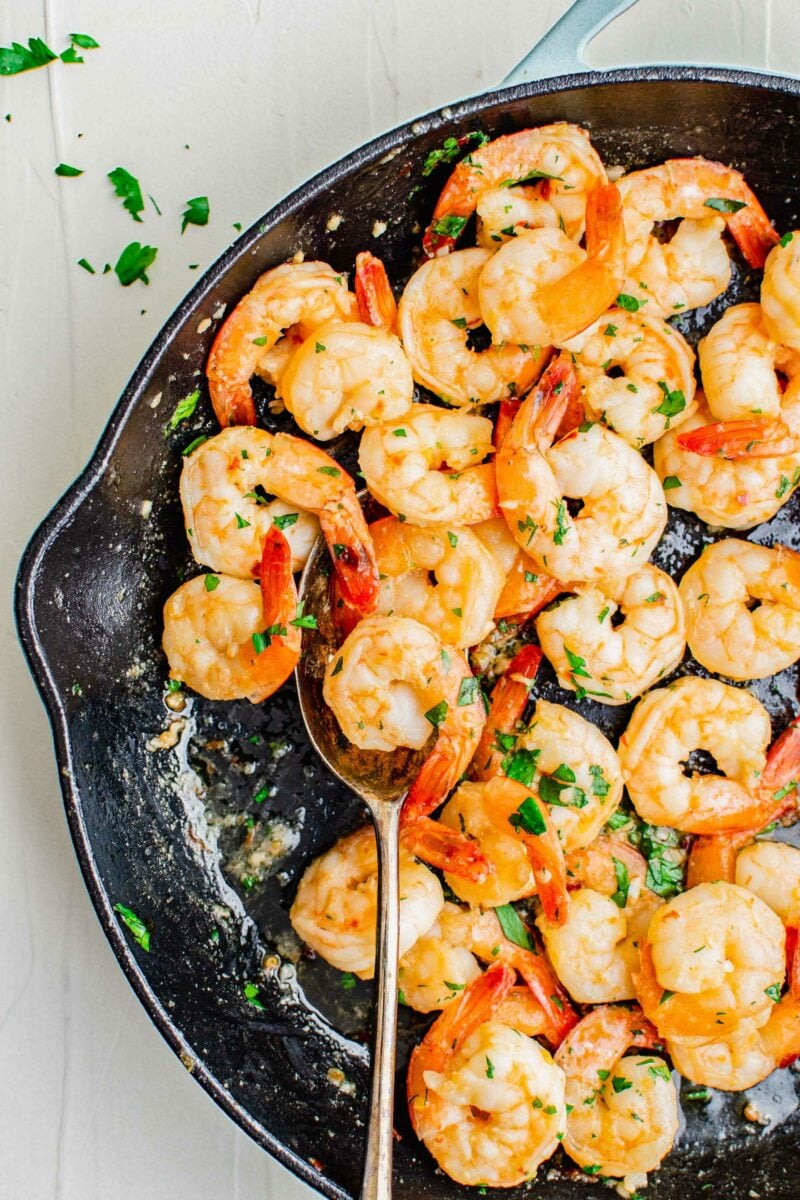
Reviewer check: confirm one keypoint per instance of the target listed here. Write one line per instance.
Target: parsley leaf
(65, 170)
(127, 188)
(529, 817)
(672, 404)
(468, 691)
(438, 713)
(133, 263)
(724, 205)
(184, 408)
(18, 58)
(195, 213)
(450, 148)
(137, 927)
(670, 482)
(629, 303)
(521, 765)
(512, 926)
(450, 226)
(620, 896)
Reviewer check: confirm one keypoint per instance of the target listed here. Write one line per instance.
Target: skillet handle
(560, 51)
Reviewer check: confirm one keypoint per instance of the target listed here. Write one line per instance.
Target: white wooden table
(239, 100)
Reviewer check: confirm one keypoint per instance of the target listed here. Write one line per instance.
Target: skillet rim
(34, 555)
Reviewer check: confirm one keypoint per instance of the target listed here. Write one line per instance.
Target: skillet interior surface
(162, 829)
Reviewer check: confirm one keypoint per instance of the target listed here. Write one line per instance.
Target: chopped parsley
(629, 303)
(450, 148)
(528, 817)
(303, 620)
(724, 205)
(787, 237)
(621, 1084)
(337, 668)
(87, 266)
(450, 226)
(212, 583)
(195, 213)
(600, 785)
(198, 441)
(240, 522)
(469, 691)
(126, 186)
(521, 765)
(620, 896)
(489, 1068)
(562, 527)
(139, 931)
(512, 926)
(672, 404)
(67, 171)
(437, 714)
(133, 263)
(452, 539)
(334, 472)
(250, 993)
(15, 59)
(184, 408)
(284, 520)
(348, 981)
(670, 482)
(774, 992)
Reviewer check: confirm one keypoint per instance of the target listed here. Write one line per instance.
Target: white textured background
(92, 1103)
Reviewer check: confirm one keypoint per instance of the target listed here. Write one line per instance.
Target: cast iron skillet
(161, 830)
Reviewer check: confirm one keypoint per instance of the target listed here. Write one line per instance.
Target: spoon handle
(377, 1183)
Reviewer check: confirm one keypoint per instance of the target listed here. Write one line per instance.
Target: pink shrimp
(376, 303)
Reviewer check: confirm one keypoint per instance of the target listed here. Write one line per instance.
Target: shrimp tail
(759, 437)
(540, 413)
(446, 849)
(376, 303)
(549, 869)
(232, 406)
(712, 858)
(353, 554)
(438, 775)
(278, 590)
(509, 697)
(548, 992)
(752, 232)
(345, 615)
(506, 412)
(782, 772)
(793, 961)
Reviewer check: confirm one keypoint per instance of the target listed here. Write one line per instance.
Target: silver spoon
(381, 780)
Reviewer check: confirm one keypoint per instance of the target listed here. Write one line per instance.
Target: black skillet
(161, 830)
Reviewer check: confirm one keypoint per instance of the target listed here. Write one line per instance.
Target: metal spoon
(381, 780)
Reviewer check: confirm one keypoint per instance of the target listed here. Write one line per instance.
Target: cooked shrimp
(443, 961)
(309, 293)
(437, 310)
(487, 1102)
(376, 303)
(227, 639)
(613, 663)
(344, 376)
(780, 292)
(504, 212)
(711, 962)
(401, 462)
(458, 603)
(517, 835)
(596, 950)
(743, 367)
(510, 696)
(541, 288)
(572, 768)
(667, 726)
(622, 1108)
(624, 512)
(734, 493)
(559, 155)
(227, 518)
(636, 374)
(750, 1055)
(742, 605)
(771, 871)
(693, 268)
(335, 909)
(526, 589)
(393, 683)
(713, 856)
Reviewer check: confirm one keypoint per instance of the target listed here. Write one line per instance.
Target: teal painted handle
(560, 51)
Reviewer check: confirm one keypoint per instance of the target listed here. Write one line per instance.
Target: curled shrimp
(526, 589)
(335, 909)
(445, 960)
(624, 512)
(567, 762)
(734, 475)
(541, 288)
(376, 303)
(739, 1062)
(636, 374)
(227, 517)
(402, 464)
(308, 294)
(693, 268)
(713, 856)
(516, 834)
(771, 871)
(615, 662)
(780, 292)
(226, 638)
(561, 156)
(346, 375)
(743, 368)
(725, 631)
(711, 959)
(622, 1109)
(487, 1102)
(459, 601)
(696, 714)
(437, 310)
(595, 952)
(393, 683)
